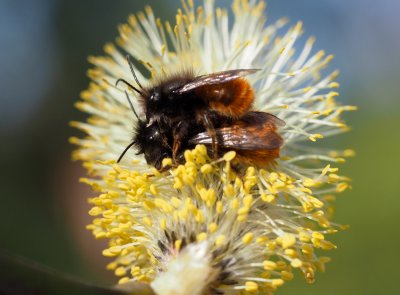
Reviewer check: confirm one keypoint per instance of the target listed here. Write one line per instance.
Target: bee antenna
(128, 58)
(131, 105)
(129, 85)
(125, 150)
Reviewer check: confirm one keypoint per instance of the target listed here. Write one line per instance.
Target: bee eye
(154, 135)
(155, 97)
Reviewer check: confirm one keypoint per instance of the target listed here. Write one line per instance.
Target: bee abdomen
(232, 99)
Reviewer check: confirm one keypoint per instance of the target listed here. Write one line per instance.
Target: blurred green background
(43, 63)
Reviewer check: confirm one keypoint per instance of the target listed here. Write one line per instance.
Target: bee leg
(179, 132)
(165, 143)
(175, 148)
(213, 134)
(163, 169)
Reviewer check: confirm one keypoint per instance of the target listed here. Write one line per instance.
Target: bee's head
(152, 142)
(155, 102)
(155, 96)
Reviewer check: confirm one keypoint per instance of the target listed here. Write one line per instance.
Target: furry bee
(184, 110)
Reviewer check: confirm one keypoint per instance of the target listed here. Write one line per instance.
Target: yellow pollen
(265, 274)
(199, 217)
(135, 271)
(308, 182)
(120, 271)
(124, 280)
(325, 259)
(291, 253)
(220, 240)
(112, 265)
(95, 211)
(247, 201)
(271, 245)
(287, 240)
(163, 205)
(261, 240)
(229, 190)
(100, 235)
(219, 207)
(251, 286)
(201, 150)
(333, 177)
(74, 140)
(341, 187)
(153, 190)
(235, 204)
(349, 153)
(267, 198)
(247, 238)
(166, 162)
(176, 202)
(149, 205)
(332, 94)
(242, 217)
(212, 227)
(326, 169)
(317, 235)
(109, 48)
(229, 156)
(286, 275)
(108, 253)
(238, 183)
(243, 210)
(147, 221)
(206, 169)
(307, 249)
(188, 178)
(277, 282)
(188, 156)
(334, 85)
(124, 187)
(269, 265)
(178, 183)
(201, 237)
(326, 245)
(309, 275)
(316, 203)
(296, 263)
(273, 176)
(163, 224)
(178, 244)
(203, 193)
(314, 137)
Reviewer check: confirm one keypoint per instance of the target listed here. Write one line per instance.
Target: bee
(184, 110)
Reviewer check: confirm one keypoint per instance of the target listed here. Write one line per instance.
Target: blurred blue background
(43, 63)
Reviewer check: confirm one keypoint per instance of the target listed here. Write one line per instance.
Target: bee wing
(255, 131)
(261, 118)
(215, 78)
